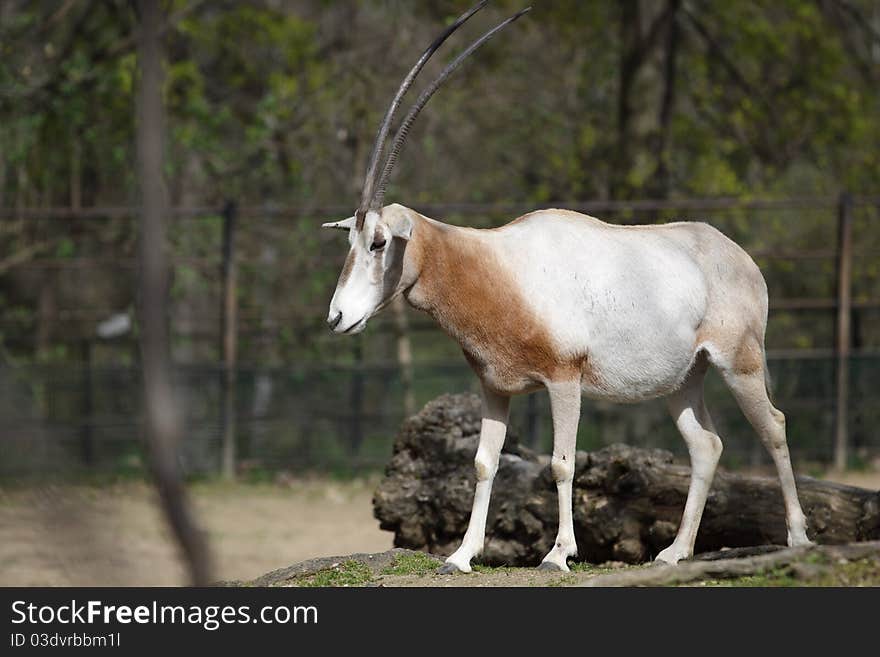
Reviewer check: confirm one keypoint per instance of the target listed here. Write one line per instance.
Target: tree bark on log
(627, 501)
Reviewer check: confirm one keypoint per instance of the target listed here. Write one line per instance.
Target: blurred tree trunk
(630, 61)
(163, 421)
(3, 168)
(47, 311)
(662, 181)
(639, 35)
(21, 185)
(266, 349)
(76, 171)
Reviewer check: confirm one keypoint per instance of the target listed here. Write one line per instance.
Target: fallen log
(627, 501)
(804, 562)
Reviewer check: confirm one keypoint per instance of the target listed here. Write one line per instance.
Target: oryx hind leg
(704, 446)
(745, 375)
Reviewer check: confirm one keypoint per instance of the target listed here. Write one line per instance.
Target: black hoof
(549, 566)
(448, 569)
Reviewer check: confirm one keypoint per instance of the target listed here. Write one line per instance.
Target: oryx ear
(345, 224)
(399, 220)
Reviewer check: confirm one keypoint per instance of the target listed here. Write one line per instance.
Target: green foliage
(236, 81)
(275, 102)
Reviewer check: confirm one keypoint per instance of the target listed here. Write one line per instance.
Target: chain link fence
(70, 384)
(300, 418)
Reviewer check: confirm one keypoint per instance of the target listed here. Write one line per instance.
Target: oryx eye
(377, 244)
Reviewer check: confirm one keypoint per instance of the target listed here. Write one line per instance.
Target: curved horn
(403, 130)
(372, 173)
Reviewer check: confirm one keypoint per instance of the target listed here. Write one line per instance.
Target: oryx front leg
(565, 404)
(492, 432)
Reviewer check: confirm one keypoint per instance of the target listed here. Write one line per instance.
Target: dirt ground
(115, 536)
(863, 573)
(869, 479)
(855, 564)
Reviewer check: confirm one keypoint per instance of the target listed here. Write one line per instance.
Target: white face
(370, 275)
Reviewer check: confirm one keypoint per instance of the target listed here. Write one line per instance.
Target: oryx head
(371, 276)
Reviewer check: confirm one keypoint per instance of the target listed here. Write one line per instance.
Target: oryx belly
(627, 301)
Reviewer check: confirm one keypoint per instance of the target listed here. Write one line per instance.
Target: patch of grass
(348, 573)
(576, 567)
(412, 564)
(593, 569)
(494, 570)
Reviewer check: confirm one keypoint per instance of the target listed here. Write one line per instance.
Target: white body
(565, 301)
(632, 297)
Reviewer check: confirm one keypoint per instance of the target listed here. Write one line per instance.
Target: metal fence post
(844, 310)
(230, 339)
(404, 356)
(356, 394)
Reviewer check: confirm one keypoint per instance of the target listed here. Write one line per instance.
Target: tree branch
(23, 255)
